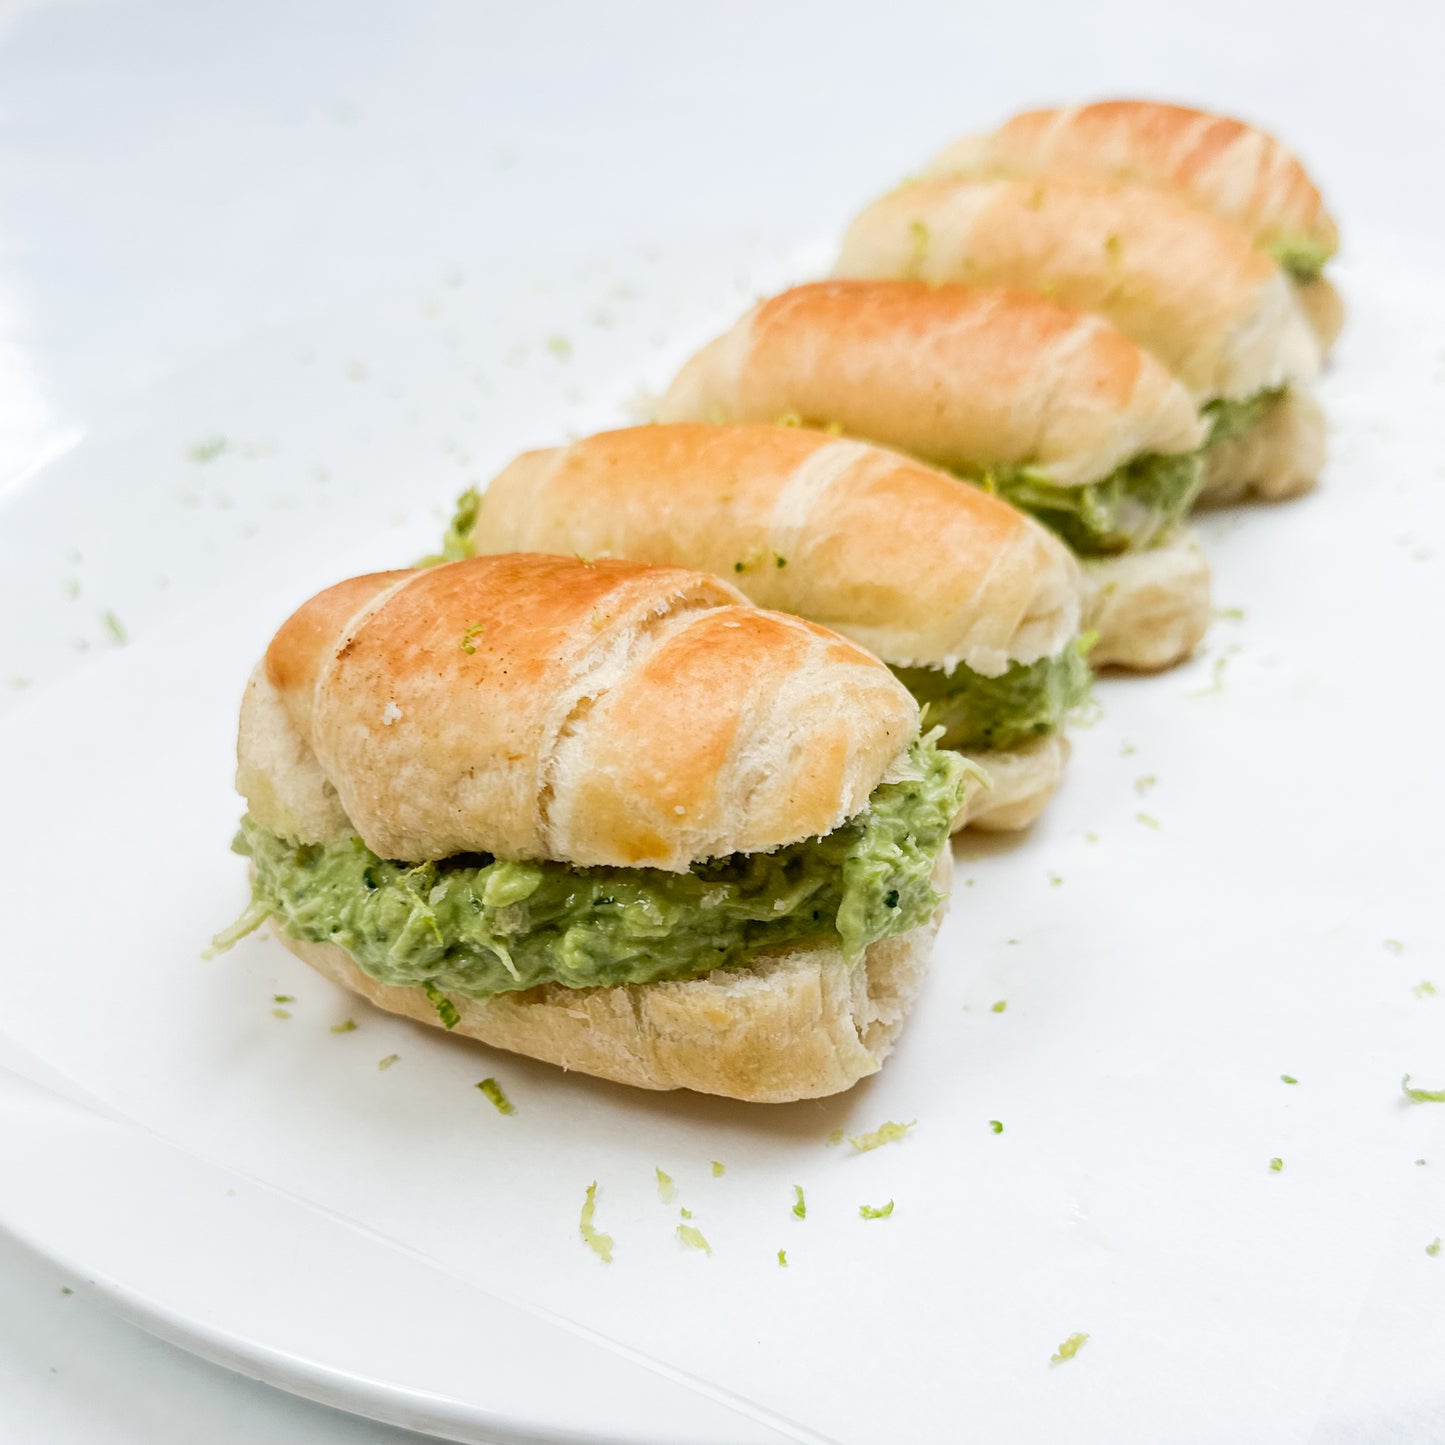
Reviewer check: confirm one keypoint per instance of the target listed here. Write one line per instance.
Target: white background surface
(184, 189)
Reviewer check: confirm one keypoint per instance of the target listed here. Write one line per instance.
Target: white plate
(395, 1246)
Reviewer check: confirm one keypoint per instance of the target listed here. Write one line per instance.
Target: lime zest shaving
(867, 1211)
(280, 1013)
(800, 1205)
(1288, 1079)
(996, 1125)
(717, 1169)
(1394, 945)
(382, 1065)
(1148, 820)
(493, 1090)
(693, 1238)
(1433, 1248)
(1069, 1348)
(600, 1244)
(1276, 1165)
(665, 1188)
(1422, 1096)
(116, 628)
(1000, 1006)
(346, 1026)
(782, 1259)
(446, 1009)
(1425, 989)
(885, 1134)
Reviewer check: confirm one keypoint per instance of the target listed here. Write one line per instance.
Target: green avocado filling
(1135, 507)
(1302, 258)
(1029, 700)
(1229, 419)
(474, 925)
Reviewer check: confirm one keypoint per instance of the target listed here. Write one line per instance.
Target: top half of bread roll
(1187, 286)
(958, 375)
(916, 566)
(546, 708)
(1237, 171)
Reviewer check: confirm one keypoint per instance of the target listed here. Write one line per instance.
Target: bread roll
(916, 567)
(546, 708)
(1237, 171)
(1150, 609)
(1277, 458)
(954, 375)
(1185, 285)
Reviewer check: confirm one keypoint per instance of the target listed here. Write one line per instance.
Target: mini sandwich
(1239, 172)
(603, 814)
(973, 605)
(1050, 408)
(1184, 284)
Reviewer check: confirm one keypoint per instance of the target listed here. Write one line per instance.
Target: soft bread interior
(1021, 782)
(1151, 608)
(799, 1024)
(1277, 458)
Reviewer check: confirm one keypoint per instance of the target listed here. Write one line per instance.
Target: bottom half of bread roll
(798, 1023)
(1271, 446)
(1149, 609)
(1016, 785)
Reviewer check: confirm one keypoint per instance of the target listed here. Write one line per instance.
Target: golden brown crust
(1183, 284)
(1151, 609)
(798, 1025)
(1238, 171)
(952, 374)
(916, 566)
(542, 707)
(1277, 458)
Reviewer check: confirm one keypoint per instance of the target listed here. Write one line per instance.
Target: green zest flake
(869, 1212)
(717, 1170)
(996, 1125)
(885, 1134)
(1433, 1248)
(1000, 1006)
(383, 1065)
(283, 998)
(800, 1206)
(1133, 508)
(468, 642)
(280, 1013)
(1029, 700)
(1288, 1079)
(446, 1009)
(1303, 257)
(1229, 614)
(1148, 820)
(493, 1090)
(66, 1289)
(782, 1259)
(1068, 1349)
(1422, 1096)
(692, 1237)
(599, 1244)
(207, 450)
(116, 628)
(1229, 419)
(1276, 1165)
(665, 1189)
(685, 1213)
(835, 1137)
(1424, 989)
(560, 347)
(346, 1026)
(473, 926)
(1393, 945)
(1145, 784)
